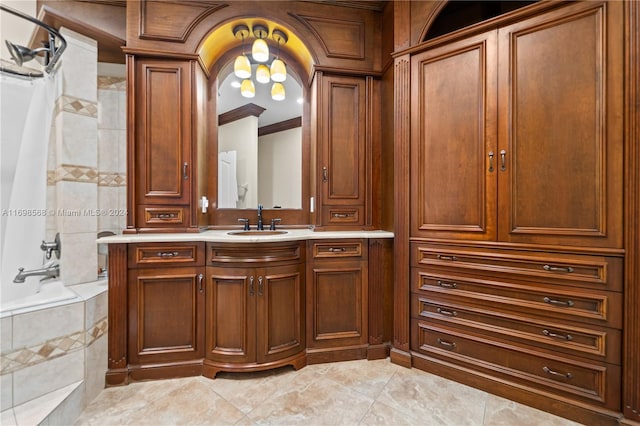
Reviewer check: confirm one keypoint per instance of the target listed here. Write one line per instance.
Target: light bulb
(262, 74)
(247, 89)
(277, 92)
(242, 67)
(278, 71)
(260, 50)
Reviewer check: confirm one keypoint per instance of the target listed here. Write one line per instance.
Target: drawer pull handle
(342, 215)
(555, 373)
(166, 254)
(491, 161)
(503, 155)
(447, 312)
(548, 333)
(447, 284)
(337, 249)
(550, 301)
(260, 286)
(166, 216)
(450, 345)
(558, 268)
(446, 257)
(200, 281)
(251, 289)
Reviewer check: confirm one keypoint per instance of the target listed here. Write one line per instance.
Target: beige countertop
(236, 236)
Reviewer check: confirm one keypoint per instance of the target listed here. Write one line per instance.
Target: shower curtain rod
(53, 35)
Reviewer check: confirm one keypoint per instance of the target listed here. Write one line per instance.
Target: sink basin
(254, 233)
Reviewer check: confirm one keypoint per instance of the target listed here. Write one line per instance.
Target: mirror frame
(290, 217)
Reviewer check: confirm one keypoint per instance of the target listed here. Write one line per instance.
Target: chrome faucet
(51, 270)
(260, 224)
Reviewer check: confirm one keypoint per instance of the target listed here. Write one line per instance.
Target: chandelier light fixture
(275, 72)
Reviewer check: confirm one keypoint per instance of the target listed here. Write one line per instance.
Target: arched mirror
(262, 120)
(259, 142)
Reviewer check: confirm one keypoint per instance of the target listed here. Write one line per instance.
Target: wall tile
(41, 379)
(108, 201)
(79, 143)
(108, 110)
(6, 391)
(70, 409)
(77, 204)
(108, 150)
(96, 309)
(79, 66)
(79, 262)
(6, 333)
(39, 326)
(96, 367)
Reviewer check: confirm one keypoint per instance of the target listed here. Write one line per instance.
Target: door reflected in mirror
(259, 144)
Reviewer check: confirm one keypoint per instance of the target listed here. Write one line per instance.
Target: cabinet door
(343, 150)
(166, 317)
(453, 138)
(560, 126)
(231, 314)
(163, 131)
(337, 299)
(280, 315)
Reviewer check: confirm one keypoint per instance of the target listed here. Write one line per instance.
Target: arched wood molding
(430, 19)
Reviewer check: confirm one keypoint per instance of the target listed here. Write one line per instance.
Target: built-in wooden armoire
(515, 244)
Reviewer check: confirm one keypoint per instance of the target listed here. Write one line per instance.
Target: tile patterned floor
(345, 393)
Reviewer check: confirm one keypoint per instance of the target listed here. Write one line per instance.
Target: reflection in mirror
(259, 144)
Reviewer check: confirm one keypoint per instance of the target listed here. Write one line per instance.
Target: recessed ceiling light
(299, 100)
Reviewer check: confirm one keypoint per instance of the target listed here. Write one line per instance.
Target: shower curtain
(26, 112)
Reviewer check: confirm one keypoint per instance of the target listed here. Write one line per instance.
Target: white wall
(242, 136)
(280, 169)
(16, 29)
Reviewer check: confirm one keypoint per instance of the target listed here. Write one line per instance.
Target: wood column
(117, 373)
(631, 361)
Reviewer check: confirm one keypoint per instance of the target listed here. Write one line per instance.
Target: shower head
(21, 54)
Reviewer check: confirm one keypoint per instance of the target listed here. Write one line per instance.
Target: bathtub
(52, 293)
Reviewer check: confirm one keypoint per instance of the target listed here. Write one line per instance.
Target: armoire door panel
(164, 132)
(454, 161)
(562, 174)
(280, 311)
(231, 298)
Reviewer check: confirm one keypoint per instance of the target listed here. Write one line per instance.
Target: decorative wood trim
(402, 123)
(163, 32)
(118, 326)
(162, 54)
(292, 123)
(248, 110)
(631, 347)
(131, 145)
(376, 292)
(341, 30)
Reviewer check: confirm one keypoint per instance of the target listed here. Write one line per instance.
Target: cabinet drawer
(166, 254)
(591, 306)
(343, 215)
(255, 254)
(598, 343)
(585, 380)
(163, 216)
(339, 249)
(598, 272)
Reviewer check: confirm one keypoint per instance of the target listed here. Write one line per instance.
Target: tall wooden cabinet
(343, 152)
(516, 209)
(164, 144)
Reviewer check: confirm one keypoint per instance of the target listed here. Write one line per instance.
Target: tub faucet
(51, 270)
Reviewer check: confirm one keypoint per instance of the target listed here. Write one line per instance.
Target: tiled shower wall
(87, 159)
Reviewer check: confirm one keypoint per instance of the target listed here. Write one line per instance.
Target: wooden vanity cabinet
(165, 309)
(337, 300)
(254, 307)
